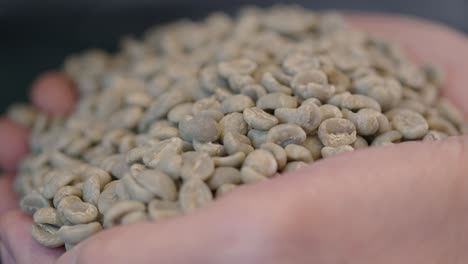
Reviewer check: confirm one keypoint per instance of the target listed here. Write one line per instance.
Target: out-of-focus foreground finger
(7, 195)
(13, 142)
(17, 242)
(425, 42)
(54, 93)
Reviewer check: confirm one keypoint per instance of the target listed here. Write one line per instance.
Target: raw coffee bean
(194, 194)
(77, 233)
(273, 101)
(158, 209)
(285, 134)
(410, 124)
(224, 175)
(256, 118)
(333, 151)
(200, 128)
(197, 165)
(336, 132)
(225, 189)
(46, 235)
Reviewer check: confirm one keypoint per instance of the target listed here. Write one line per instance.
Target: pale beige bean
(33, 201)
(330, 111)
(333, 151)
(47, 216)
(360, 143)
(208, 103)
(235, 160)
(194, 194)
(261, 161)
(57, 179)
(158, 183)
(337, 99)
(307, 116)
(273, 86)
(276, 100)
(158, 210)
(285, 134)
(278, 152)
(256, 118)
(233, 123)
(200, 128)
(335, 132)
(357, 102)
(254, 91)
(212, 149)
(224, 175)
(178, 112)
(114, 215)
(134, 217)
(257, 137)
(77, 233)
(238, 81)
(237, 66)
(108, 197)
(46, 235)
(134, 190)
(442, 125)
(410, 124)
(80, 213)
(434, 136)
(387, 138)
(66, 191)
(234, 143)
(365, 121)
(236, 103)
(314, 145)
(297, 62)
(298, 153)
(249, 175)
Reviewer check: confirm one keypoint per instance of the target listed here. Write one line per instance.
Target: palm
(228, 217)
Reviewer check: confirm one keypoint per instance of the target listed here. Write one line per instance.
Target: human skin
(406, 203)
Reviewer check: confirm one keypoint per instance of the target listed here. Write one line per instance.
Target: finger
(54, 93)
(18, 244)
(425, 42)
(7, 195)
(13, 142)
(415, 205)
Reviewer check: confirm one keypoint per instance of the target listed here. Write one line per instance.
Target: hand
(400, 204)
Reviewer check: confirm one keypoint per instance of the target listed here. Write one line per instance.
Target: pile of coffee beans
(194, 110)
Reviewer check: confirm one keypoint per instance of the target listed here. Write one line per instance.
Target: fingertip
(54, 93)
(13, 142)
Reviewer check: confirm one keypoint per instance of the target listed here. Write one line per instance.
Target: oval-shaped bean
(294, 165)
(225, 189)
(33, 201)
(256, 118)
(333, 151)
(235, 160)
(236, 103)
(298, 153)
(158, 209)
(276, 100)
(261, 161)
(158, 183)
(410, 124)
(108, 197)
(46, 235)
(59, 179)
(194, 194)
(66, 191)
(80, 213)
(120, 209)
(224, 175)
(233, 123)
(47, 216)
(234, 143)
(387, 138)
(314, 145)
(335, 132)
(285, 134)
(200, 128)
(77, 233)
(249, 175)
(278, 152)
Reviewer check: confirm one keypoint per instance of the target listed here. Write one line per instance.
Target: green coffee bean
(46, 235)
(286, 134)
(297, 62)
(66, 191)
(330, 111)
(194, 194)
(298, 153)
(235, 160)
(224, 175)
(276, 100)
(47, 216)
(158, 183)
(238, 81)
(278, 152)
(261, 161)
(256, 118)
(434, 136)
(200, 128)
(196, 165)
(133, 217)
(360, 143)
(236, 103)
(442, 125)
(32, 202)
(209, 148)
(234, 143)
(254, 91)
(77, 233)
(387, 138)
(307, 116)
(257, 137)
(233, 123)
(410, 124)
(273, 86)
(449, 111)
(238, 66)
(336, 132)
(314, 145)
(357, 102)
(120, 209)
(333, 151)
(249, 175)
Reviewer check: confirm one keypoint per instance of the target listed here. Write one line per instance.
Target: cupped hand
(406, 203)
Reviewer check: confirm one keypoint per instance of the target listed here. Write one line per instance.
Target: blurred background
(36, 35)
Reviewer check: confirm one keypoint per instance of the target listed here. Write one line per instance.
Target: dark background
(36, 35)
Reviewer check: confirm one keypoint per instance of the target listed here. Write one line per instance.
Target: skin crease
(415, 211)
